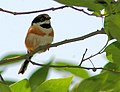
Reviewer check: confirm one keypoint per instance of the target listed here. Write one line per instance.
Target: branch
(83, 57)
(30, 12)
(69, 40)
(48, 9)
(68, 66)
(100, 52)
(82, 10)
(94, 69)
(14, 59)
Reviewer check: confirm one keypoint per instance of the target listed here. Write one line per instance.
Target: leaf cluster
(37, 81)
(106, 81)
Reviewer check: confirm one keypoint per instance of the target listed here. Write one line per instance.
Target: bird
(40, 33)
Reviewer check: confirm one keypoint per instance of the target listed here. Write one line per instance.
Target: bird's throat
(45, 26)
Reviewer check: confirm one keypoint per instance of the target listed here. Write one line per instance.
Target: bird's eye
(42, 19)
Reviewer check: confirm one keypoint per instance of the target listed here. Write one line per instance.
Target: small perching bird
(40, 33)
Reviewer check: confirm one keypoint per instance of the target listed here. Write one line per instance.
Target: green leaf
(112, 67)
(112, 52)
(12, 55)
(104, 82)
(4, 88)
(38, 77)
(21, 86)
(112, 7)
(90, 4)
(117, 7)
(55, 85)
(76, 71)
(107, 81)
(112, 26)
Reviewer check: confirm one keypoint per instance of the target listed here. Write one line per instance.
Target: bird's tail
(24, 66)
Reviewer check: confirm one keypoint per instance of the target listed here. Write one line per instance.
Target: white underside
(42, 40)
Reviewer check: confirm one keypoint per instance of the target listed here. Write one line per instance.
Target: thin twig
(81, 10)
(91, 63)
(52, 9)
(100, 52)
(30, 12)
(14, 59)
(83, 57)
(43, 10)
(94, 69)
(68, 66)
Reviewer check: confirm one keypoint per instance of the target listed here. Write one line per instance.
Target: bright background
(67, 23)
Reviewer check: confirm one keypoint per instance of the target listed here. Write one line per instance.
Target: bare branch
(14, 59)
(82, 10)
(100, 52)
(83, 58)
(94, 69)
(30, 12)
(43, 10)
(69, 40)
(68, 66)
(58, 44)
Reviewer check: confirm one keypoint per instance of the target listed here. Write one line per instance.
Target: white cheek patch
(44, 22)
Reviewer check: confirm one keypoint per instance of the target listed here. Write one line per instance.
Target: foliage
(109, 78)
(90, 4)
(12, 55)
(48, 86)
(38, 77)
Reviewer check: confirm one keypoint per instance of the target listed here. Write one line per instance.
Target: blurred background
(67, 23)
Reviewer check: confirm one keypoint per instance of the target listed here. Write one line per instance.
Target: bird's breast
(38, 36)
